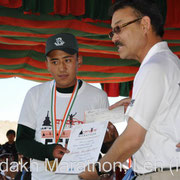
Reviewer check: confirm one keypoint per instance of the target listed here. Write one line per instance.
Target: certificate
(84, 145)
(115, 115)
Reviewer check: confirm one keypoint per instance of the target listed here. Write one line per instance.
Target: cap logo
(59, 42)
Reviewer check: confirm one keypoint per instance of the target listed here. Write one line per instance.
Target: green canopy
(26, 25)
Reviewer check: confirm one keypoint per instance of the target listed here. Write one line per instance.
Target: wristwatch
(102, 174)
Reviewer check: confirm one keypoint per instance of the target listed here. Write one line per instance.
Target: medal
(51, 165)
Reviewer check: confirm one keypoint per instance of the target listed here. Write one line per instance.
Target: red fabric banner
(66, 7)
(173, 14)
(112, 89)
(11, 3)
(77, 7)
(60, 7)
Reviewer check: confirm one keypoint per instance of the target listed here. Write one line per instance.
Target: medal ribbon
(66, 114)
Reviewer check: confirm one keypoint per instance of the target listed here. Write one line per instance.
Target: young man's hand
(111, 133)
(59, 151)
(110, 137)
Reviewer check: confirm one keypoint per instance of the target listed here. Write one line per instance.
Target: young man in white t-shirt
(47, 106)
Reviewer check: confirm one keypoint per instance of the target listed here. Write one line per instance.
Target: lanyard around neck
(56, 134)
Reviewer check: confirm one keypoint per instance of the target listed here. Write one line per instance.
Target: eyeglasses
(117, 29)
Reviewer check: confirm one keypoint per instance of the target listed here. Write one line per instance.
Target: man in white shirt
(152, 133)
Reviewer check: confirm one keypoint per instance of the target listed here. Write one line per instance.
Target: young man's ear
(46, 62)
(79, 61)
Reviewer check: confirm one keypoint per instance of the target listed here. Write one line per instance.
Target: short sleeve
(104, 100)
(28, 111)
(148, 94)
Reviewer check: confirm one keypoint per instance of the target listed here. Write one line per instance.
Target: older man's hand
(89, 173)
(124, 102)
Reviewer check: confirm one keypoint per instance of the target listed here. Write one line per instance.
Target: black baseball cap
(62, 41)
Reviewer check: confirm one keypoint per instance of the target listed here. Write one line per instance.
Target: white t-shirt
(36, 115)
(155, 106)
